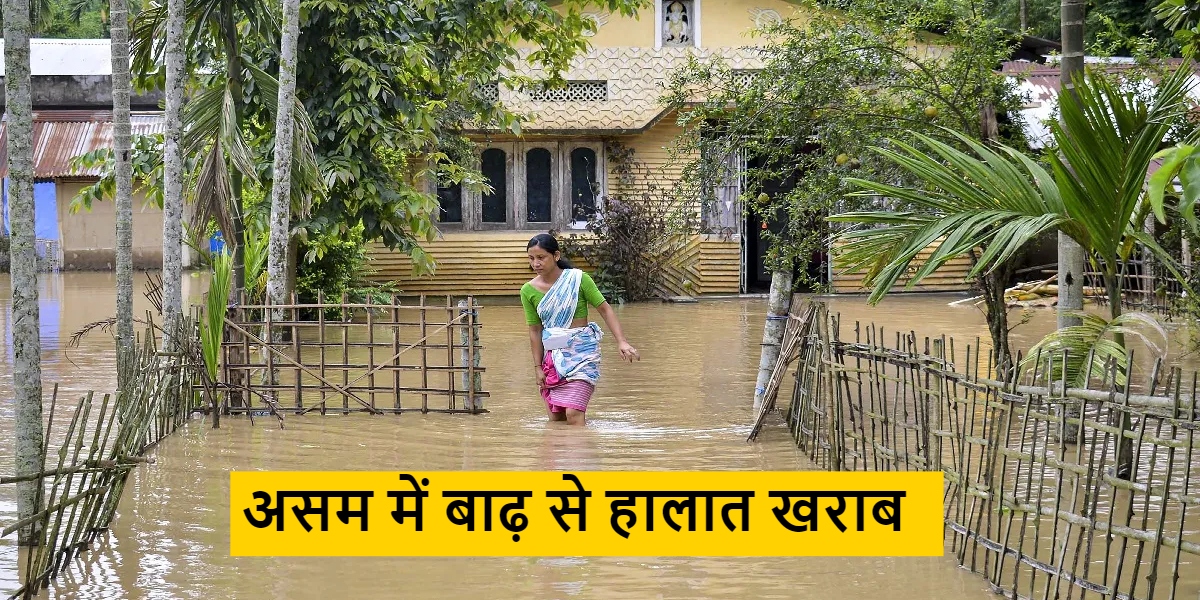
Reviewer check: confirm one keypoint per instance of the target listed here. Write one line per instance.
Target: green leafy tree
(393, 84)
(832, 85)
(1116, 27)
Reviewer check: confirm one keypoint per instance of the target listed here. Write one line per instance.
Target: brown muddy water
(685, 406)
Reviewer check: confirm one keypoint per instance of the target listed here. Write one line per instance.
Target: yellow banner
(605, 513)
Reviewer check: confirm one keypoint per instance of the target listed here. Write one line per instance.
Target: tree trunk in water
(993, 286)
(119, 15)
(994, 283)
(778, 306)
(27, 345)
(1071, 256)
(1124, 459)
(281, 187)
(173, 176)
(238, 283)
(234, 77)
(292, 267)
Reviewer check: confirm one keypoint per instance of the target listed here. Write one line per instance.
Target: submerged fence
(345, 357)
(105, 438)
(1051, 490)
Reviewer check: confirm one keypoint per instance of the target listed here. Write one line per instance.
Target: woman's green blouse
(588, 294)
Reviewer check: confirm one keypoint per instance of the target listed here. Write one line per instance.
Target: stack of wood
(1035, 294)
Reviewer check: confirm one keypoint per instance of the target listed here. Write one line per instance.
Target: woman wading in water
(566, 347)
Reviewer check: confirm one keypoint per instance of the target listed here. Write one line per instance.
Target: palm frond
(211, 116)
(213, 196)
(995, 199)
(306, 178)
(147, 41)
(1093, 344)
(1107, 137)
(212, 326)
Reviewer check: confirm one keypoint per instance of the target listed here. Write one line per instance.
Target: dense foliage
(1119, 27)
(390, 86)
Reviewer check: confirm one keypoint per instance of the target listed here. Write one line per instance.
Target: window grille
(742, 78)
(490, 92)
(576, 91)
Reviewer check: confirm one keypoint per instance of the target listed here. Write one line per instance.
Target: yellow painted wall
(88, 238)
(477, 263)
(723, 23)
(620, 30)
(729, 23)
(654, 167)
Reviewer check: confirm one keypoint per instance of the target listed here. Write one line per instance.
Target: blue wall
(45, 210)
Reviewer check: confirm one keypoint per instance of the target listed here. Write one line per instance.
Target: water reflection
(685, 406)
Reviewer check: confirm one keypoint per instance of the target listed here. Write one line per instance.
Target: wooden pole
(371, 350)
(396, 353)
(298, 350)
(424, 358)
(469, 338)
(321, 341)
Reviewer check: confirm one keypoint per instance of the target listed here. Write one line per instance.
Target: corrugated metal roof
(60, 135)
(1040, 84)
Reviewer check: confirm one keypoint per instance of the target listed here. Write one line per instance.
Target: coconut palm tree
(215, 115)
(997, 199)
(27, 365)
(215, 29)
(122, 150)
(172, 301)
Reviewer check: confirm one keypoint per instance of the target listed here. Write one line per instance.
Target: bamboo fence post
(371, 349)
(345, 325)
(243, 376)
(298, 349)
(469, 338)
(1187, 473)
(268, 342)
(424, 358)
(322, 343)
(396, 353)
(453, 391)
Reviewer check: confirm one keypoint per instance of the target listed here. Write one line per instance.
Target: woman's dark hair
(548, 243)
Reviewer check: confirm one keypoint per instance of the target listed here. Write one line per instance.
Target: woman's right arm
(535, 344)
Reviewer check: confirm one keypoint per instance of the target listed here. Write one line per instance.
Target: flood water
(685, 406)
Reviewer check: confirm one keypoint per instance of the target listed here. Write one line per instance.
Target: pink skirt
(561, 395)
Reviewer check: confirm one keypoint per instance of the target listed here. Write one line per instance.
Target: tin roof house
(72, 101)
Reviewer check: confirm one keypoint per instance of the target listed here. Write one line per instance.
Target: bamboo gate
(106, 436)
(342, 357)
(1037, 516)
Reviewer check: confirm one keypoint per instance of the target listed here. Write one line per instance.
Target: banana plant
(212, 326)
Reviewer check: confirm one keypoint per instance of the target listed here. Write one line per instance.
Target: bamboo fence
(353, 357)
(1038, 516)
(105, 438)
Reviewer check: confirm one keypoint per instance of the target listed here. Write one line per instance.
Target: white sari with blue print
(579, 360)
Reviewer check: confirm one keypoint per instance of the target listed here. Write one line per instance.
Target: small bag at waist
(556, 341)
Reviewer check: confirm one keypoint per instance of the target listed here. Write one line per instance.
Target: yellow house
(567, 160)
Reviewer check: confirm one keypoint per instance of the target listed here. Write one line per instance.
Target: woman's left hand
(628, 352)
